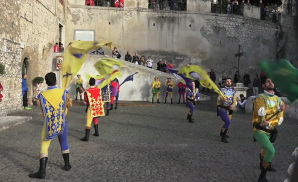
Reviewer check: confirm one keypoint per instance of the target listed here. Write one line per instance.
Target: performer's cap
(78, 75)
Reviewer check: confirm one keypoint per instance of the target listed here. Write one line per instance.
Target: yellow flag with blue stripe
(75, 56)
(197, 73)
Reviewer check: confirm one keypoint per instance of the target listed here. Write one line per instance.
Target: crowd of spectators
(141, 60)
(109, 3)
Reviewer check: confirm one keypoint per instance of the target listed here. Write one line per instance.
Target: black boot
(107, 113)
(190, 119)
(261, 160)
(158, 101)
(179, 101)
(81, 98)
(41, 174)
(96, 130)
(66, 162)
(188, 116)
(116, 105)
(262, 177)
(183, 101)
(223, 137)
(76, 98)
(111, 106)
(165, 100)
(152, 101)
(221, 134)
(270, 168)
(86, 138)
(171, 101)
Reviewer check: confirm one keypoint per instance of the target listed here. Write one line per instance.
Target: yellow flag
(109, 69)
(197, 73)
(75, 56)
(107, 65)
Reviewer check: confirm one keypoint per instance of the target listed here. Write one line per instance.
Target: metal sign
(59, 61)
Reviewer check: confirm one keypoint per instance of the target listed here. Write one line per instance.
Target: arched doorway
(25, 66)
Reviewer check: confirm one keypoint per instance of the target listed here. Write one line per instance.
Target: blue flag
(129, 78)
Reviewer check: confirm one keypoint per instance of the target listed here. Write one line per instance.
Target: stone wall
(28, 31)
(10, 56)
(252, 11)
(183, 37)
(39, 34)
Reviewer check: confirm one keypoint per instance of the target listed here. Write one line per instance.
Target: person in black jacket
(128, 57)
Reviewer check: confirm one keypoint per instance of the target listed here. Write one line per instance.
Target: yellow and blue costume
(55, 103)
(169, 89)
(223, 109)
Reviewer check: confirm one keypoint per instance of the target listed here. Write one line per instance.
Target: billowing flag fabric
(284, 76)
(197, 73)
(181, 76)
(75, 56)
(109, 69)
(129, 78)
(107, 66)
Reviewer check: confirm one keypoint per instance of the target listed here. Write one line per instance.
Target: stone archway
(25, 66)
(25, 70)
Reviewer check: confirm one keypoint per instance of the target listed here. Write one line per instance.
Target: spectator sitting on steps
(241, 102)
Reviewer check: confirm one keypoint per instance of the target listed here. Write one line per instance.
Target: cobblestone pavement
(147, 142)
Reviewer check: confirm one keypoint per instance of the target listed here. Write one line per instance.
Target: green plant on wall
(2, 69)
(37, 80)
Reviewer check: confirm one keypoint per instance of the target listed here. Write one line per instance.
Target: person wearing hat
(155, 88)
(79, 87)
(169, 89)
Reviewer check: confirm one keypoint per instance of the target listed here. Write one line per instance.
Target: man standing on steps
(225, 107)
(268, 113)
(95, 108)
(54, 103)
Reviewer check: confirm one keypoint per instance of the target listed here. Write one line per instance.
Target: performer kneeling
(55, 103)
(94, 108)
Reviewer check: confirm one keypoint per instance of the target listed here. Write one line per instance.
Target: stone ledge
(11, 121)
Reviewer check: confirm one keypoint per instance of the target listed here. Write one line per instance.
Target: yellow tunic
(271, 103)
